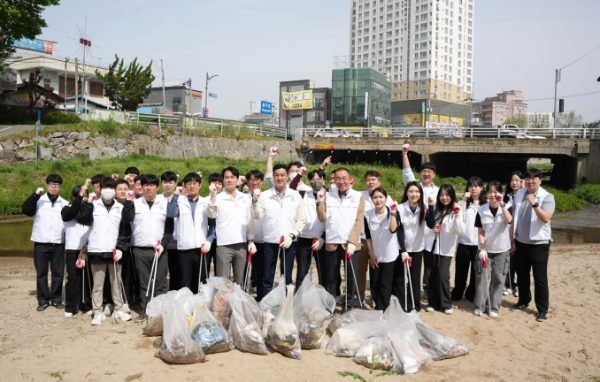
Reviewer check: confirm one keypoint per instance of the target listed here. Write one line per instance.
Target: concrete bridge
(489, 158)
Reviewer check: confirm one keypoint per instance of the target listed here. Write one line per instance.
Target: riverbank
(514, 347)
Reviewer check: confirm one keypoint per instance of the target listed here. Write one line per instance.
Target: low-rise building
(303, 105)
(177, 98)
(495, 110)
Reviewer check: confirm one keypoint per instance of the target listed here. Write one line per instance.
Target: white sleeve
(408, 176)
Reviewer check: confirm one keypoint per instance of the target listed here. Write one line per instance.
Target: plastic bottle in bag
(208, 333)
(243, 330)
(177, 345)
(283, 334)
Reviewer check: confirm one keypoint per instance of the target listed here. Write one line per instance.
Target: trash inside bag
(218, 288)
(437, 344)
(354, 316)
(177, 345)
(183, 296)
(313, 305)
(283, 334)
(409, 354)
(346, 341)
(375, 351)
(243, 330)
(154, 328)
(270, 306)
(208, 333)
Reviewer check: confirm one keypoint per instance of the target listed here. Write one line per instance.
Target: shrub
(566, 202)
(588, 191)
(55, 117)
(108, 127)
(15, 114)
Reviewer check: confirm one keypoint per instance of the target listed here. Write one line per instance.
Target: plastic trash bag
(218, 288)
(208, 333)
(177, 345)
(437, 344)
(244, 331)
(405, 339)
(283, 334)
(313, 305)
(346, 341)
(354, 316)
(183, 296)
(377, 350)
(270, 306)
(154, 328)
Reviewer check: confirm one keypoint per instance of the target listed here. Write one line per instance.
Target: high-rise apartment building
(425, 46)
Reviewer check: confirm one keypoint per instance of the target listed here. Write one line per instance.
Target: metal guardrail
(454, 132)
(210, 126)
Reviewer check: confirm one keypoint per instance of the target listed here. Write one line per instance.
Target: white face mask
(108, 193)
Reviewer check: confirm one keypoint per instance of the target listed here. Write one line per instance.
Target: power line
(569, 96)
(581, 57)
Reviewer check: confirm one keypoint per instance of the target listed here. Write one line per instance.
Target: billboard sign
(301, 100)
(37, 45)
(266, 108)
(8, 79)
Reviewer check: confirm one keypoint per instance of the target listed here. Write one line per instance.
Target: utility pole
(83, 87)
(191, 106)
(206, 92)
(76, 85)
(66, 92)
(163, 83)
(556, 81)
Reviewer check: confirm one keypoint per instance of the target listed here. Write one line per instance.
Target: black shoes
(42, 307)
(518, 306)
(59, 305)
(542, 316)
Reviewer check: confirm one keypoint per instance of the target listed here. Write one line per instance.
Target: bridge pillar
(565, 172)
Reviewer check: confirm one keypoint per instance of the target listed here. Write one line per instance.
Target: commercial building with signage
(360, 98)
(177, 98)
(439, 114)
(303, 105)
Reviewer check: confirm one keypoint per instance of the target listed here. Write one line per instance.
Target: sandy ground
(45, 346)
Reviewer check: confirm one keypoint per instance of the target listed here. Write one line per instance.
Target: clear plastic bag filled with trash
(243, 330)
(313, 305)
(208, 333)
(354, 316)
(375, 352)
(283, 334)
(270, 306)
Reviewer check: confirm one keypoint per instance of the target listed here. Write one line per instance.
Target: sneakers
(516, 293)
(507, 292)
(493, 315)
(518, 306)
(59, 305)
(141, 318)
(477, 312)
(542, 316)
(448, 311)
(98, 318)
(107, 309)
(121, 315)
(429, 309)
(90, 312)
(68, 315)
(42, 307)
(126, 308)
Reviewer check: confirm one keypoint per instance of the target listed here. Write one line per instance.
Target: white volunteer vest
(446, 244)
(369, 206)
(280, 214)
(148, 226)
(105, 229)
(341, 215)
(313, 227)
(48, 226)
(497, 236)
(385, 243)
(191, 232)
(232, 218)
(538, 230)
(413, 231)
(471, 235)
(76, 235)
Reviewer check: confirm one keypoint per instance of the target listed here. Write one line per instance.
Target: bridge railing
(452, 132)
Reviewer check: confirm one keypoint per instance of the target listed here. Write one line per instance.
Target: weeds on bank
(372, 376)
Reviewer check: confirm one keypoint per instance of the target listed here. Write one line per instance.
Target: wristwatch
(535, 205)
(293, 236)
(502, 204)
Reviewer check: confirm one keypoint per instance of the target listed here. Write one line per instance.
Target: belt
(50, 244)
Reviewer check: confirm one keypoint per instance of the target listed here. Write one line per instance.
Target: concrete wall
(592, 172)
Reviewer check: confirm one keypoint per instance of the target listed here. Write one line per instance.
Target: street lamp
(208, 78)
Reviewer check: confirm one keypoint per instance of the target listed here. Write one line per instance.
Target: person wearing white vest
(427, 172)
(381, 223)
(449, 224)
(168, 180)
(372, 181)
(48, 241)
(343, 212)
(414, 217)
(106, 244)
(151, 232)
(234, 226)
(512, 187)
(76, 238)
(311, 239)
(193, 233)
(284, 218)
(129, 278)
(255, 181)
(534, 208)
(466, 252)
(493, 223)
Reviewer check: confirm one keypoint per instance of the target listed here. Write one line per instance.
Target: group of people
(150, 243)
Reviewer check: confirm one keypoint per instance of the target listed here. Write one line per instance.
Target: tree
(20, 19)
(35, 95)
(127, 87)
(519, 120)
(569, 120)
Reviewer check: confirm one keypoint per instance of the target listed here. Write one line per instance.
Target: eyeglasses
(53, 184)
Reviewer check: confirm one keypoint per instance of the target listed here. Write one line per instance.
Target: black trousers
(73, 294)
(174, 272)
(304, 260)
(129, 277)
(534, 257)
(212, 257)
(510, 283)
(387, 280)
(332, 278)
(49, 256)
(144, 257)
(269, 266)
(465, 260)
(415, 277)
(428, 264)
(439, 283)
(189, 268)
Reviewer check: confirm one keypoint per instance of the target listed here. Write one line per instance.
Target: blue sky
(254, 44)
